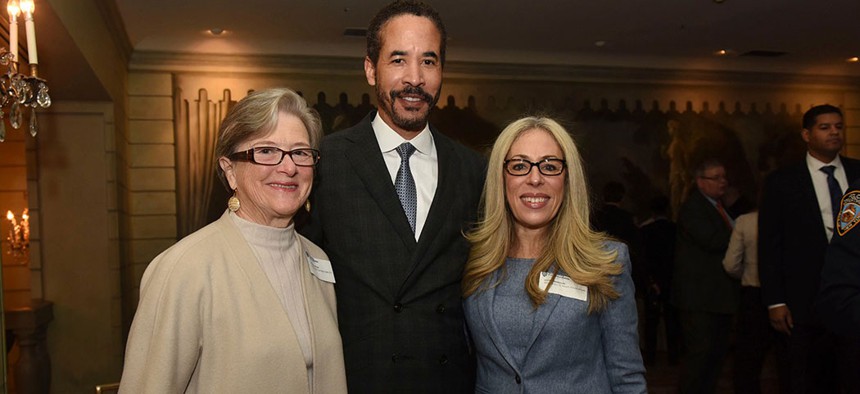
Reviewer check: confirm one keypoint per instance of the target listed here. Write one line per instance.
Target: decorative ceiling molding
(458, 70)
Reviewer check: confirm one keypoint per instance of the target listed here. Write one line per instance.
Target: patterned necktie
(724, 215)
(835, 190)
(405, 184)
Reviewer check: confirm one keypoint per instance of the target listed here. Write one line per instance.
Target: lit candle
(14, 10)
(11, 217)
(25, 223)
(12, 229)
(27, 7)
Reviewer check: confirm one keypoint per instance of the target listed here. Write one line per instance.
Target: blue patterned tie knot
(405, 184)
(834, 188)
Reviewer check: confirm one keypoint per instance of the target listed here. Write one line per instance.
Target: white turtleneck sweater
(279, 254)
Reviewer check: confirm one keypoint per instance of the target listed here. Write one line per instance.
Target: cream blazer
(741, 260)
(209, 321)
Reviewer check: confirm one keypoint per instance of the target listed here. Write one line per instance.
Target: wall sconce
(19, 234)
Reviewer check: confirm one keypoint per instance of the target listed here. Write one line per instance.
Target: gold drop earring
(233, 203)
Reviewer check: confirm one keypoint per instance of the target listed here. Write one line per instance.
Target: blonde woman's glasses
(548, 167)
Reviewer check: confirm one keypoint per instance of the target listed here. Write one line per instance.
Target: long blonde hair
(571, 247)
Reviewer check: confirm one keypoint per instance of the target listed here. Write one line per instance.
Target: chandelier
(19, 91)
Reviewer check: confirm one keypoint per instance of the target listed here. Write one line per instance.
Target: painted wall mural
(650, 150)
(651, 147)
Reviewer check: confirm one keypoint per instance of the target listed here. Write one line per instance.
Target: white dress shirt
(424, 164)
(822, 192)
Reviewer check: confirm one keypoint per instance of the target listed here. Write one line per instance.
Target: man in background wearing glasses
(704, 294)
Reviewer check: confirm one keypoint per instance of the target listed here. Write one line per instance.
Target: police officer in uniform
(839, 298)
(839, 295)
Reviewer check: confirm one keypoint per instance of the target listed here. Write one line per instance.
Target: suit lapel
(712, 212)
(806, 192)
(541, 316)
(484, 301)
(264, 292)
(312, 300)
(440, 208)
(315, 313)
(366, 160)
(852, 169)
(444, 196)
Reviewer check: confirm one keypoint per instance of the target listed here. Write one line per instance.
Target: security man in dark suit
(796, 222)
(392, 200)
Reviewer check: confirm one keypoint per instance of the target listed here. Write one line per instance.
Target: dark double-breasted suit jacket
(399, 301)
(792, 241)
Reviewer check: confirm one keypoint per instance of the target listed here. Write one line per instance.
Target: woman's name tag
(321, 269)
(564, 286)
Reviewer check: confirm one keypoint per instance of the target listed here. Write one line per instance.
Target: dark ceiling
(812, 38)
(815, 37)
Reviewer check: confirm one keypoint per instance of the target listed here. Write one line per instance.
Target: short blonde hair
(257, 114)
(571, 245)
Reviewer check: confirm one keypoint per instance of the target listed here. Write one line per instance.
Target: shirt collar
(389, 140)
(707, 197)
(815, 164)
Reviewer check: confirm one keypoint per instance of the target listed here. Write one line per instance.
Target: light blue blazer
(570, 351)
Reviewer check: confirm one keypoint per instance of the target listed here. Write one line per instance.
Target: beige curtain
(196, 135)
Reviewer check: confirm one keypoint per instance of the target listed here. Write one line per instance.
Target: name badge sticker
(564, 286)
(321, 269)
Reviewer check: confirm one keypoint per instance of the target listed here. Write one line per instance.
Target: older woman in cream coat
(245, 304)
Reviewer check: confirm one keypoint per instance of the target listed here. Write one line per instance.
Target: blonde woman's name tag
(564, 286)
(321, 269)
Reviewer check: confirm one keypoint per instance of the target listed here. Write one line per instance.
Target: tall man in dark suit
(796, 222)
(704, 294)
(391, 203)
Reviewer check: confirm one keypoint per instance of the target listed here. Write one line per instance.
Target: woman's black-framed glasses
(548, 167)
(271, 156)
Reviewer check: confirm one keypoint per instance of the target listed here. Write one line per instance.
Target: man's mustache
(413, 91)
